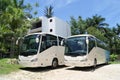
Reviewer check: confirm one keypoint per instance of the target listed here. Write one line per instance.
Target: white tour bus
(85, 50)
(41, 50)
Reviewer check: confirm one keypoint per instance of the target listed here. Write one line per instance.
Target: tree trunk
(12, 50)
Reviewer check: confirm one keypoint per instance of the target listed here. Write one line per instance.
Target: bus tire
(54, 63)
(95, 63)
(107, 62)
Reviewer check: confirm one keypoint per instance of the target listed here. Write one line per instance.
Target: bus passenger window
(51, 40)
(48, 41)
(91, 43)
(43, 44)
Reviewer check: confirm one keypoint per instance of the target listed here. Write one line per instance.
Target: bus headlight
(84, 59)
(34, 60)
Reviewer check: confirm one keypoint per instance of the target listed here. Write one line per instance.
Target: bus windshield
(76, 46)
(30, 45)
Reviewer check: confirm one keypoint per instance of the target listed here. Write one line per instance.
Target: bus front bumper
(28, 64)
(79, 63)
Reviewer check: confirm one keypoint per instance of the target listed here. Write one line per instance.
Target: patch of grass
(114, 62)
(6, 68)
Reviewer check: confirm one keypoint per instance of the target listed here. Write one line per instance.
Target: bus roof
(43, 33)
(82, 35)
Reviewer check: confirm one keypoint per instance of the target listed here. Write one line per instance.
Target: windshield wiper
(74, 54)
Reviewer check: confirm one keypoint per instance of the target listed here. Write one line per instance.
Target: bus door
(47, 48)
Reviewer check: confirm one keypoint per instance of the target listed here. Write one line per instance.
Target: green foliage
(3, 5)
(80, 26)
(96, 21)
(97, 33)
(114, 62)
(113, 57)
(96, 26)
(14, 23)
(35, 12)
(6, 68)
(36, 4)
(48, 12)
(77, 26)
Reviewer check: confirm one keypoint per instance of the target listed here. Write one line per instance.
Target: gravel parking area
(102, 72)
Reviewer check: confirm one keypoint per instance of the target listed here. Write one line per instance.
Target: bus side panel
(60, 54)
(99, 54)
(107, 54)
(91, 56)
(46, 57)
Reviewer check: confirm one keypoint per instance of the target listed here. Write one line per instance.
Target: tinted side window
(43, 44)
(51, 40)
(91, 43)
(48, 41)
(102, 44)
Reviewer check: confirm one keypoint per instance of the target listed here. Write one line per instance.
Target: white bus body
(85, 50)
(41, 47)
(41, 50)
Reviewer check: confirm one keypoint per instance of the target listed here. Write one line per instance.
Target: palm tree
(78, 26)
(81, 25)
(96, 21)
(48, 11)
(74, 26)
(116, 31)
(18, 4)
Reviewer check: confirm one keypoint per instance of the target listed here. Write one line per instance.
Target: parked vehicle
(85, 50)
(41, 46)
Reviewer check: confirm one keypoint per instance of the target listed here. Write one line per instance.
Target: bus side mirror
(37, 40)
(17, 42)
(62, 42)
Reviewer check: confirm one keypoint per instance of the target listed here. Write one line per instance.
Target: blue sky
(64, 9)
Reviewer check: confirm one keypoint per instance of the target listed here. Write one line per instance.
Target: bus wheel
(107, 62)
(95, 63)
(54, 63)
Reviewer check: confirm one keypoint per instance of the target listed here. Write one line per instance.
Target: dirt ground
(102, 72)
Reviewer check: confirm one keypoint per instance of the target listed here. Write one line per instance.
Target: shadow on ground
(41, 69)
(86, 69)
